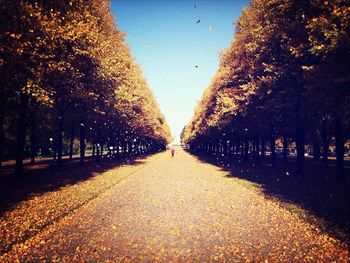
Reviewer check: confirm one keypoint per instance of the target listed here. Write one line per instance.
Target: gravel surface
(182, 210)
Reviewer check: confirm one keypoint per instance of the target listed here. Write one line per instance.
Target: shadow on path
(324, 201)
(43, 177)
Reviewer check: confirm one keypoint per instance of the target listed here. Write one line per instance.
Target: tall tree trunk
(82, 143)
(300, 129)
(1, 138)
(237, 144)
(32, 142)
(60, 138)
(112, 144)
(117, 150)
(130, 148)
(137, 148)
(273, 147)
(325, 143)
(21, 135)
(124, 148)
(103, 147)
(285, 148)
(339, 143)
(93, 149)
(300, 144)
(54, 148)
(98, 157)
(98, 145)
(316, 150)
(263, 148)
(71, 142)
(246, 148)
(109, 150)
(224, 146)
(254, 149)
(257, 147)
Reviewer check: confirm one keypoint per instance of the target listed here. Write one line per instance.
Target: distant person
(172, 152)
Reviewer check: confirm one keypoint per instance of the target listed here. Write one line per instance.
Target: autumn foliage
(67, 74)
(285, 75)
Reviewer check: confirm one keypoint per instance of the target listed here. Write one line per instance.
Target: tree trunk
(93, 149)
(54, 148)
(325, 143)
(98, 146)
(117, 150)
(82, 143)
(71, 142)
(263, 148)
(254, 149)
(1, 138)
(109, 150)
(273, 147)
(285, 148)
(98, 157)
(339, 143)
(300, 144)
(32, 143)
(104, 148)
(124, 148)
(246, 148)
(111, 144)
(257, 148)
(225, 148)
(137, 147)
(237, 146)
(316, 150)
(60, 138)
(130, 148)
(114, 144)
(21, 135)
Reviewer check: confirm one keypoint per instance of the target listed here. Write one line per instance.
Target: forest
(69, 84)
(282, 87)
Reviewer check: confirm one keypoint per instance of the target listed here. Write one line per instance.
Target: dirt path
(180, 209)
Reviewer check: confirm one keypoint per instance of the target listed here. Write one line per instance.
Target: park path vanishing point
(181, 209)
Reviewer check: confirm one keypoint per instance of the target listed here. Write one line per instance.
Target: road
(181, 209)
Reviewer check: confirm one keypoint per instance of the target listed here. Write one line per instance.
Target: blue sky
(177, 44)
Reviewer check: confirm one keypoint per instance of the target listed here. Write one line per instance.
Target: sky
(177, 44)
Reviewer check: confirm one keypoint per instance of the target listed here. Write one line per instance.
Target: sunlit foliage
(285, 74)
(64, 65)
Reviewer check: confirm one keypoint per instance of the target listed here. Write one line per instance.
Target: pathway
(180, 209)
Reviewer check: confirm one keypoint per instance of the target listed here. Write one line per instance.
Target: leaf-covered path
(180, 209)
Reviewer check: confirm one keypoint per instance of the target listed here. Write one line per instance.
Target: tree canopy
(65, 65)
(285, 74)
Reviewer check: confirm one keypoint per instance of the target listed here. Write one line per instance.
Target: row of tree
(66, 73)
(285, 75)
